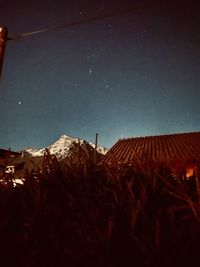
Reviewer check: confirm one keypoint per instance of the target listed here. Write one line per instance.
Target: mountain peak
(64, 136)
(65, 146)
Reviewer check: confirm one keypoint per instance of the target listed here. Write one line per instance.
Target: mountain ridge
(64, 147)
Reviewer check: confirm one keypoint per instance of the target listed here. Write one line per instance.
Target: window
(10, 169)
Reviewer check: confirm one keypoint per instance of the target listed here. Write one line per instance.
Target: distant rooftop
(161, 147)
(8, 153)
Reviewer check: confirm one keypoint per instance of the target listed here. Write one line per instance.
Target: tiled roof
(163, 147)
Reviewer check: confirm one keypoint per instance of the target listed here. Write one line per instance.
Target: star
(92, 55)
(140, 65)
(108, 26)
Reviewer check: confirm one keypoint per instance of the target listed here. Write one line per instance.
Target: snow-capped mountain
(64, 147)
(102, 150)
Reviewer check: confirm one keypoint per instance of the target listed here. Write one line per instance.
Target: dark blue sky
(131, 75)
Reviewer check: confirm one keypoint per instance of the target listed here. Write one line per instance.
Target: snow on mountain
(102, 150)
(64, 146)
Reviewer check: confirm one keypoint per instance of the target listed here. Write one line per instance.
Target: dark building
(172, 148)
(4, 153)
(14, 165)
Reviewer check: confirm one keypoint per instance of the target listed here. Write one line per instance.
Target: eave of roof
(160, 147)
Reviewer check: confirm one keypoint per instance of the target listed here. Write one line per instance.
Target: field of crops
(83, 214)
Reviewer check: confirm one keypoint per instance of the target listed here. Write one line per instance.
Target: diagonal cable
(82, 21)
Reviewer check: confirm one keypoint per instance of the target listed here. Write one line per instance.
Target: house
(8, 153)
(14, 166)
(172, 148)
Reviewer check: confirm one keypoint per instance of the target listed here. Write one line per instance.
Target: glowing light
(17, 181)
(189, 172)
(10, 169)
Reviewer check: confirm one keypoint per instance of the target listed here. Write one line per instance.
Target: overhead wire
(78, 22)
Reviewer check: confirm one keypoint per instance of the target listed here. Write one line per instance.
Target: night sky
(135, 74)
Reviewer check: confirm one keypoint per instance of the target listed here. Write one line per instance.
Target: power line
(82, 21)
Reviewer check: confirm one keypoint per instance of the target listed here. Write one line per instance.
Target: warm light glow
(189, 172)
(17, 182)
(10, 169)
